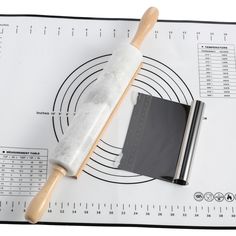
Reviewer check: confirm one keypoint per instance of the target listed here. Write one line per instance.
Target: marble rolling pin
(95, 112)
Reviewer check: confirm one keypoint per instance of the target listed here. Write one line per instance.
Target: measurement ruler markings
(99, 210)
(128, 33)
(183, 34)
(45, 30)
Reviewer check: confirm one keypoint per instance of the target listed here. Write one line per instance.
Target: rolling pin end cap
(154, 11)
(30, 219)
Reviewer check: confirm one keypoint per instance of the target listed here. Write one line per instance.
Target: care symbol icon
(219, 197)
(198, 196)
(229, 197)
(208, 196)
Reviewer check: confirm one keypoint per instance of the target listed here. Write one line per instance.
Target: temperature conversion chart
(46, 65)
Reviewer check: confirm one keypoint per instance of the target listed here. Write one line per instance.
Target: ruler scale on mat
(48, 63)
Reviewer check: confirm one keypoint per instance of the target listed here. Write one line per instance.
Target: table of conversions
(217, 70)
(22, 171)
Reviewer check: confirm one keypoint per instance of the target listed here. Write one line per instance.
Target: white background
(169, 9)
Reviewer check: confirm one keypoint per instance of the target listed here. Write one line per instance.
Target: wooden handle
(39, 204)
(147, 21)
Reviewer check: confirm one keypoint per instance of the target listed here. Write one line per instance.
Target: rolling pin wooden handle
(147, 22)
(40, 202)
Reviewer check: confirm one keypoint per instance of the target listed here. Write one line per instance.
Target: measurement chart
(217, 70)
(47, 64)
(22, 171)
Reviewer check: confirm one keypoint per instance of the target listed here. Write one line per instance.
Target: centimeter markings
(114, 32)
(86, 208)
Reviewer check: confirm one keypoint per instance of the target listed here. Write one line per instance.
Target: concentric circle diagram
(155, 78)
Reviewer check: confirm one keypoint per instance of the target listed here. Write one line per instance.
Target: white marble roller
(95, 111)
(96, 107)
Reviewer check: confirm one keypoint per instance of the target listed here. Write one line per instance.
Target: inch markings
(171, 34)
